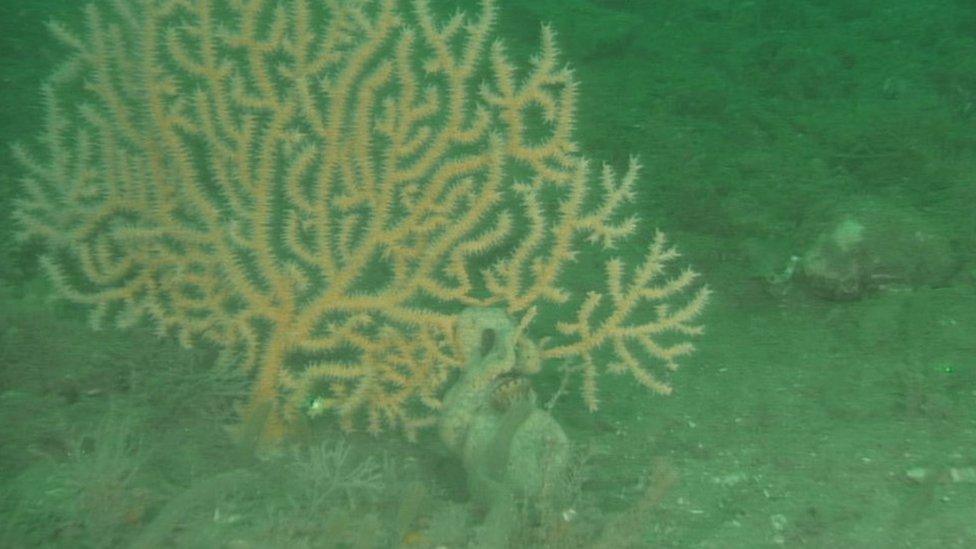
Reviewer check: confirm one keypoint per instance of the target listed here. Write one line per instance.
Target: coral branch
(318, 187)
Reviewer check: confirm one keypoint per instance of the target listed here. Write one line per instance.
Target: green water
(816, 412)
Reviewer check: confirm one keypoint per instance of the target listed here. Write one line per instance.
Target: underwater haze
(812, 161)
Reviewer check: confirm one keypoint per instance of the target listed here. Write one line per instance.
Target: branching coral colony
(319, 187)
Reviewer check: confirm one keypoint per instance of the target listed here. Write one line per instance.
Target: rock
(875, 247)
